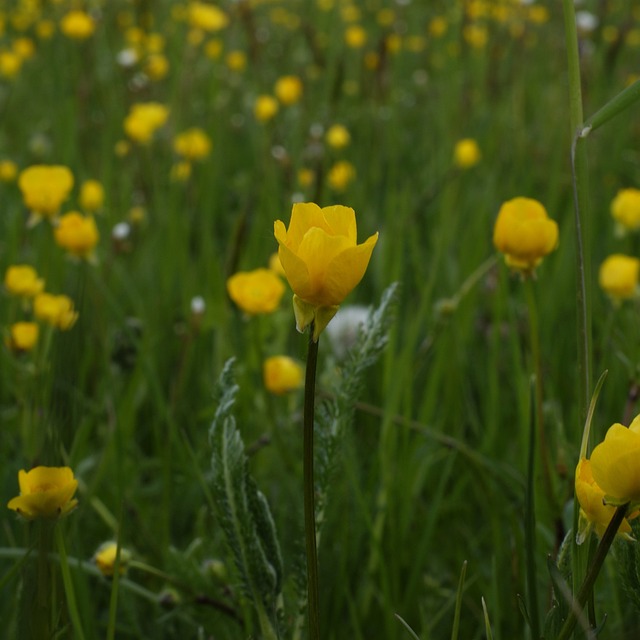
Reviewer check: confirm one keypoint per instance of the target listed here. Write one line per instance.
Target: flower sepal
(307, 313)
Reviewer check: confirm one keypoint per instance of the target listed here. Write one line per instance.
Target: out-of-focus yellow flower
(91, 196)
(256, 292)
(143, 119)
(192, 144)
(614, 464)
(618, 277)
(206, 17)
(275, 265)
(8, 171)
(438, 26)
(538, 14)
(385, 17)
(77, 25)
(154, 43)
(213, 48)
(355, 36)
(338, 136)
(524, 233)
(592, 507)
(45, 492)
(625, 209)
(372, 60)
(393, 43)
(475, 35)
(282, 374)
(466, 153)
(156, 66)
(10, 64)
(322, 260)
(288, 90)
(77, 234)
(105, 559)
(265, 108)
(22, 280)
(44, 188)
(122, 148)
(23, 336)
(137, 215)
(181, 171)
(24, 47)
(55, 310)
(236, 60)
(306, 177)
(341, 175)
(45, 29)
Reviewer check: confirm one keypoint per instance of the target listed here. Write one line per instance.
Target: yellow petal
(342, 221)
(296, 271)
(304, 216)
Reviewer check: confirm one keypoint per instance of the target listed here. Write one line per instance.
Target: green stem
(68, 585)
(594, 570)
(309, 489)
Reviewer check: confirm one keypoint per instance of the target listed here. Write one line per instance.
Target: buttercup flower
(206, 17)
(23, 336)
(625, 209)
(288, 89)
(282, 374)
(322, 260)
(593, 511)
(337, 136)
(8, 171)
(77, 25)
(615, 467)
(55, 310)
(22, 280)
(355, 36)
(77, 234)
(618, 277)
(192, 144)
(105, 559)
(44, 188)
(257, 291)
(45, 492)
(341, 174)
(265, 108)
(91, 196)
(524, 233)
(466, 153)
(144, 119)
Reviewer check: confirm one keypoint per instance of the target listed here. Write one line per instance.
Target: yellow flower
(625, 209)
(77, 234)
(206, 17)
(355, 36)
(91, 196)
(10, 63)
(23, 336)
(341, 174)
(77, 25)
(257, 291)
(322, 260)
(44, 188)
(288, 89)
(236, 60)
(592, 507)
(143, 119)
(265, 108)
(466, 153)
(282, 374)
(438, 27)
(180, 171)
(524, 233)
(192, 144)
(618, 277)
(157, 66)
(275, 265)
(337, 136)
(614, 464)
(55, 310)
(45, 492)
(8, 171)
(22, 280)
(105, 559)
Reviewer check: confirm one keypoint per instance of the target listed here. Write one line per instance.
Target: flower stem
(309, 489)
(587, 586)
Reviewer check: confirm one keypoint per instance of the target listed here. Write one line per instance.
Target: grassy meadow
(444, 484)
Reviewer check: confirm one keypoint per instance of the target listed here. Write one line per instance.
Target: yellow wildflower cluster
(143, 120)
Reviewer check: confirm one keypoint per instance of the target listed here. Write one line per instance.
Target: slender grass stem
(309, 489)
(68, 586)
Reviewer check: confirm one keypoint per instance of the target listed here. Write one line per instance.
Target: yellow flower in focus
(322, 260)
(288, 90)
(466, 153)
(338, 136)
(618, 277)
(256, 292)
(55, 310)
(615, 467)
(23, 336)
(77, 25)
(192, 144)
(341, 175)
(282, 374)
(206, 17)
(265, 108)
(105, 559)
(355, 36)
(91, 196)
(143, 119)
(45, 492)
(22, 280)
(44, 188)
(592, 507)
(524, 233)
(77, 234)
(625, 209)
